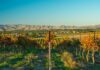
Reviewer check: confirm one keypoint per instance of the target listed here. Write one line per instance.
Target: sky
(50, 12)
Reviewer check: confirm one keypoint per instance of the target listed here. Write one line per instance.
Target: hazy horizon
(50, 12)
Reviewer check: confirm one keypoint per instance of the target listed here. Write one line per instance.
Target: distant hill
(43, 27)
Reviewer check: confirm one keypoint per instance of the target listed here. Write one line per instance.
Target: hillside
(43, 27)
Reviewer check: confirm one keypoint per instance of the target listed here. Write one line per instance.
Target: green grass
(31, 60)
(19, 64)
(4, 64)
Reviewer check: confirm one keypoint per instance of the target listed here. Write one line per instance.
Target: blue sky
(50, 12)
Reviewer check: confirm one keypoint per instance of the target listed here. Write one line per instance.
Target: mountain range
(43, 27)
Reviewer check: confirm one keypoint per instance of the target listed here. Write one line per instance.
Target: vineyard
(67, 51)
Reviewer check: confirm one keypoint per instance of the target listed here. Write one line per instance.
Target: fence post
(49, 46)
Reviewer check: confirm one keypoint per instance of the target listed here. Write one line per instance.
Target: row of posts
(49, 46)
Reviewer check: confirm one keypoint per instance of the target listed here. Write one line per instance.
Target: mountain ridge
(44, 27)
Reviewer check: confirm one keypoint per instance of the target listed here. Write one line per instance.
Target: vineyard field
(50, 49)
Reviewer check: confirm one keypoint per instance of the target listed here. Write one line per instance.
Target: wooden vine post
(49, 46)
